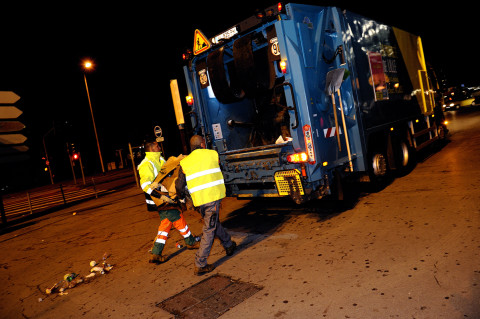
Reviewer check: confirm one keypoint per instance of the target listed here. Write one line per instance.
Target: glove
(156, 194)
(181, 203)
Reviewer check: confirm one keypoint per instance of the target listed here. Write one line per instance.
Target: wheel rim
(441, 131)
(405, 154)
(379, 165)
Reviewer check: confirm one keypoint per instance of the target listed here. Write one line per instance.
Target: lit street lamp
(88, 65)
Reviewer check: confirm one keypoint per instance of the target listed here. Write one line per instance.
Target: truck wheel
(405, 158)
(379, 165)
(442, 131)
(379, 172)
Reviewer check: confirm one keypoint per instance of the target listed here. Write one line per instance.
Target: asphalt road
(411, 250)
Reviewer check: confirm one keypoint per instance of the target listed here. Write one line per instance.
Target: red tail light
(283, 66)
(279, 7)
(297, 158)
(189, 99)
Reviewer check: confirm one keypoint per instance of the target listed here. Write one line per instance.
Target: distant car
(476, 95)
(458, 99)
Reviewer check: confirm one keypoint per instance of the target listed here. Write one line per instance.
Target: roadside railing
(23, 204)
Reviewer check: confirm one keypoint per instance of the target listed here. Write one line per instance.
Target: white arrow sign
(11, 126)
(8, 97)
(12, 139)
(13, 149)
(11, 143)
(9, 112)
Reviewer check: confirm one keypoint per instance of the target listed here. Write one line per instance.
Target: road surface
(411, 250)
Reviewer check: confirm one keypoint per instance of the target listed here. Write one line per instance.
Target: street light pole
(87, 66)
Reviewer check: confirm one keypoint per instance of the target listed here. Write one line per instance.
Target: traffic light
(72, 151)
(45, 162)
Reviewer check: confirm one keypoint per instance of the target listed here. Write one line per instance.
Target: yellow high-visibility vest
(148, 169)
(203, 175)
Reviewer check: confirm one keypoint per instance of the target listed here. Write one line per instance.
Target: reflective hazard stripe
(147, 183)
(207, 185)
(205, 181)
(155, 171)
(183, 229)
(185, 232)
(203, 173)
(161, 237)
(149, 190)
(331, 131)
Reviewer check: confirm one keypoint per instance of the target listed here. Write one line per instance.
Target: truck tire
(378, 169)
(404, 155)
(378, 162)
(405, 158)
(442, 131)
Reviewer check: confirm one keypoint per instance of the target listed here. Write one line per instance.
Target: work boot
(203, 270)
(195, 245)
(231, 249)
(157, 259)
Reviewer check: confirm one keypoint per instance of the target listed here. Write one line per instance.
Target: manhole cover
(210, 298)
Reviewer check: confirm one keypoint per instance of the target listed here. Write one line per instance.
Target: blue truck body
(265, 90)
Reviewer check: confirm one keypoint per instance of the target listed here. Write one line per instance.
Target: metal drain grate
(209, 298)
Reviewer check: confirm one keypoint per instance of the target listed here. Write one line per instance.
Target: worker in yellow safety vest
(201, 175)
(168, 210)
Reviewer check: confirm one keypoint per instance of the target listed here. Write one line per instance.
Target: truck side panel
(396, 93)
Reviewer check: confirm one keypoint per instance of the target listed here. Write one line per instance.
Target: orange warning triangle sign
(200, 42)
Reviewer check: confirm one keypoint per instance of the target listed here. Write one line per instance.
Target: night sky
(137, 49)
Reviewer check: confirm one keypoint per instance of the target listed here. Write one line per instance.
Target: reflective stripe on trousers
(164, 230)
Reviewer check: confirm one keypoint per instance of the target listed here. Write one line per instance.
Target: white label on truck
(225, 35)
(275, 49)
(217, 131)
(307, 133)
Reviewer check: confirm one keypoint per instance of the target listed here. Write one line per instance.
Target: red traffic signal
(75, 156)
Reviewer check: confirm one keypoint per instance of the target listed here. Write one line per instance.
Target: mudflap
(289, 183)
(295, 194)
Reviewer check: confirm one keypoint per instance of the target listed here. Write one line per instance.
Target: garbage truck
(297, 98)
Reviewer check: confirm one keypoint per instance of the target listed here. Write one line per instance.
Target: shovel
(334, 81)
